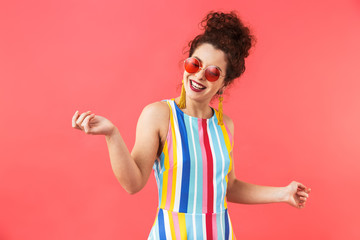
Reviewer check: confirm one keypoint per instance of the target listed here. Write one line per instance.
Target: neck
(198, 109)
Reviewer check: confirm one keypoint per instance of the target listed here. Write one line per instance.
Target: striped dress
(191, 176)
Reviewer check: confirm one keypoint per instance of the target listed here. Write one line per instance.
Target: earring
(182, 102)
(220, 109)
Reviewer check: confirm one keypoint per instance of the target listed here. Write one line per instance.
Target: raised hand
(92, 124)
(297, 194)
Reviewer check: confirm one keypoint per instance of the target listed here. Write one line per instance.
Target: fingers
(74, 119)
(302, 193)
(302, 199)
(301, 186)
(81, 118)
(301, 203)
(302, 196)
(85, 123)
(77, 120)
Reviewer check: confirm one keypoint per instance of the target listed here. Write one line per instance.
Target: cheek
(186, 77)
(216, 88)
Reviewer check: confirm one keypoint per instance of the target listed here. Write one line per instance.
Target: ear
(221, 91)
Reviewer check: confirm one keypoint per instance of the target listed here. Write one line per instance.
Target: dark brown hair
(226, 32)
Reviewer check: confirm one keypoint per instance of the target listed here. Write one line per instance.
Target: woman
(190, 144)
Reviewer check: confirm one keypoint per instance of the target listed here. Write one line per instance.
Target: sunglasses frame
(200, 67)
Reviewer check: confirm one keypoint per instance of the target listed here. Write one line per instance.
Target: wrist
(284, 194)
(111, 133)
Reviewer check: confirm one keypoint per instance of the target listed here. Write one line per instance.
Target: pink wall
(296, 113)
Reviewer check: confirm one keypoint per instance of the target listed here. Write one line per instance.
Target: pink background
(296, 112)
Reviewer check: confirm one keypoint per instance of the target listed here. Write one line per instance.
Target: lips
(197, 83)
(194, 88)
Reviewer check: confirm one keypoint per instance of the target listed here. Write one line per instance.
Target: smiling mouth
(196, 85)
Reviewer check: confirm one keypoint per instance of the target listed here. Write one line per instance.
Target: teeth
(194, 84)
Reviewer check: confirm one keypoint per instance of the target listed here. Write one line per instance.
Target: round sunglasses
(193, 65)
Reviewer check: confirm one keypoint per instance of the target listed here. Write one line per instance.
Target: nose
(200, 74)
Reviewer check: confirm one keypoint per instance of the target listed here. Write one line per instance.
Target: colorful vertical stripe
(191, 175)
(176, 225)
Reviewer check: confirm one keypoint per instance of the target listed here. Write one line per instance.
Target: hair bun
(230, 26)
(218, 20)
(225, 31)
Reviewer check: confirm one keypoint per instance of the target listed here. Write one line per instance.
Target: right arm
(133, 170)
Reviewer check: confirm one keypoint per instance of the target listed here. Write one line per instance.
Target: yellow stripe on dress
(165, 176)
(225, 203)
(229, 149)
(173, 188)
(172, 229)
(182, 225)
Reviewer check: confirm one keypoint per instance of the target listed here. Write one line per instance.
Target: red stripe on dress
(210, 192)
(209, 168)
(209, 233)
(204, 169)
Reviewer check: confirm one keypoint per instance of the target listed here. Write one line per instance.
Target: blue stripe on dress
(161, 176)
(186, 163)
(191, 145)
(199, 226)
(157, 174)
(226, 224)
(189, 226)
(161, 224)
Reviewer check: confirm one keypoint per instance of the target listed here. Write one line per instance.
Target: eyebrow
(209, 65)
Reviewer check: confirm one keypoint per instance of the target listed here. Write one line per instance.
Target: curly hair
(226, 32)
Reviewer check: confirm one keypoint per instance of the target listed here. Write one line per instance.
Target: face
(208, 56)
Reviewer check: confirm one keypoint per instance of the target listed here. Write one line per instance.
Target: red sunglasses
(193, 65)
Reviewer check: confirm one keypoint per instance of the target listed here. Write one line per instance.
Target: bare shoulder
(229, 123)
(159, 107)
(157, 115)
(156, 112)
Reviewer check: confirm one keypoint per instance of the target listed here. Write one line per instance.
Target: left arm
(238, 191)
(248, 193)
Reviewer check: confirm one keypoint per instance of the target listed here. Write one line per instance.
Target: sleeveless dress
(191, 176)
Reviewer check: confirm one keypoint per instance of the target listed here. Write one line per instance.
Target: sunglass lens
(212, 74)
(192, 65)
